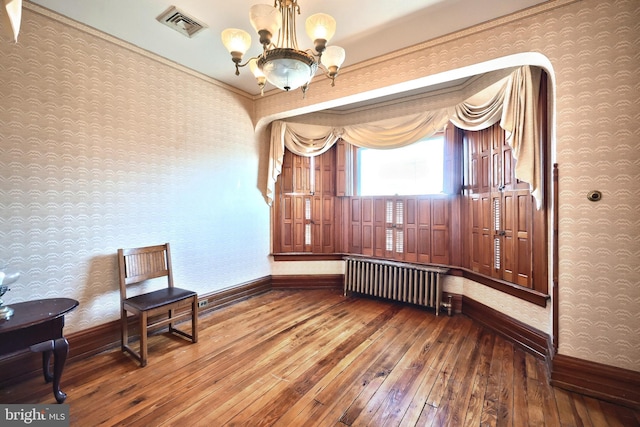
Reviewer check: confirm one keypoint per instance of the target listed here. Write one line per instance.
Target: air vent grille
(181, 22)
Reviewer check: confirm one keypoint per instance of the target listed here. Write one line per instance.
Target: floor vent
(181, 22)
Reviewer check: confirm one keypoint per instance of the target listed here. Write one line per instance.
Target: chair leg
(124, 331)
(194, 320)
(171, 325)
(143, 339)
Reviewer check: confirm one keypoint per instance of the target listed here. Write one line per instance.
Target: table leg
(59, 348)
(46, 365)
(46, 348)
(60, 352)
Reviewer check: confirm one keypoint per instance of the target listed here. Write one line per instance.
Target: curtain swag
(513, 103)
(10, 18)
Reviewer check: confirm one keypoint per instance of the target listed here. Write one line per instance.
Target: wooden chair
(161, 307)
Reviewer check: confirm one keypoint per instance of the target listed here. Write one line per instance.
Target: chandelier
(282, 63)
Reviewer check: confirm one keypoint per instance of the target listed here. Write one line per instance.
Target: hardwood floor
(316, 358)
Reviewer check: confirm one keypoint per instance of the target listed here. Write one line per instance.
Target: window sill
(307, 256)
(530, 295)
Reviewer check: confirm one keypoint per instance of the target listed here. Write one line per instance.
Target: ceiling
(364, 29)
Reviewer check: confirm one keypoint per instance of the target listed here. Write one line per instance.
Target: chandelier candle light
(283, 64)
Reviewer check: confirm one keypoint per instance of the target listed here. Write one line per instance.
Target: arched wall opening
(472, 79)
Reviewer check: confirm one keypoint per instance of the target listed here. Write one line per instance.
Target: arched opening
(437, 90)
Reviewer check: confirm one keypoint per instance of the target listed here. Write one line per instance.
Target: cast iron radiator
(398, 281)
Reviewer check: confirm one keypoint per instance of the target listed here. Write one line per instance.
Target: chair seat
(158, 298)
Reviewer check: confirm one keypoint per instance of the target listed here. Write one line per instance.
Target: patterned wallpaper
(102, 147)
(594, 52)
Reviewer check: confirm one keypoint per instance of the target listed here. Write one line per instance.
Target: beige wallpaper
(104, 147)
(593, 48)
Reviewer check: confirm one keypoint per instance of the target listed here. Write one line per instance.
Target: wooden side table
(37, 325)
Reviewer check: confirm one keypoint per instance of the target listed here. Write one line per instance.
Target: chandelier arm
(239, 65)
(317, 55)
(331, 73)
(265, 48)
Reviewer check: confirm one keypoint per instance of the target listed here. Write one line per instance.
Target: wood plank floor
(316, 358)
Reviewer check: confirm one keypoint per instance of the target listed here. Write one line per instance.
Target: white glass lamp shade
(257, 72)
(333, 56)
(236, 40)
(288, 69)
(265, 17)
(320, 27)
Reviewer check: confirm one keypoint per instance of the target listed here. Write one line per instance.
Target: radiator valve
(448, 305)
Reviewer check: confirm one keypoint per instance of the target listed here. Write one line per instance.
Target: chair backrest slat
(144, 266)
(140, 264)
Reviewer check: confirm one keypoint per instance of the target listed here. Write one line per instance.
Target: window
(412, 170)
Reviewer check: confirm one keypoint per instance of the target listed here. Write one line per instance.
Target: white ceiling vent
(181, 22)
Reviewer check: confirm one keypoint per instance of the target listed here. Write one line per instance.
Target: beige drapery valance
(513, 102)
(10, 18)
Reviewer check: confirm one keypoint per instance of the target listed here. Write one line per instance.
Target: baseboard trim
(308, 281)
(524, 336)
(617, 385)
(227, 296)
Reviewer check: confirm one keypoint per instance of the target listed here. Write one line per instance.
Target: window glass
(412, 170)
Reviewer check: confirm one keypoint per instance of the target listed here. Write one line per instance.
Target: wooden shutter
(398, 233)
(500, 210)
(379, 226)
(367, 226)
(411, 229)
(440, 231)
(345, 168)
(423, 229)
